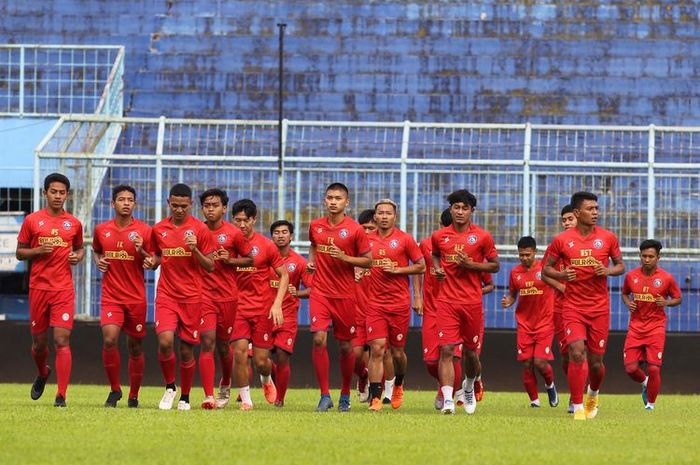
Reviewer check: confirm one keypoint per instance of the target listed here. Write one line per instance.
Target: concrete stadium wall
(486, 61)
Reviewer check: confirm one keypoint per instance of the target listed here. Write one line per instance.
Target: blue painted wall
(18, 139)
(482, 61)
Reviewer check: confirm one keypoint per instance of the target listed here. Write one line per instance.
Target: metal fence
(647, 179)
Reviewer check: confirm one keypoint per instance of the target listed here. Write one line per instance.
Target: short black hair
(567, 209)
(367, 216)
(651, 244)
(279, 223)
(56, 177)
(214, 193)
(527, 242)
(180, 190)
(446, 218)
(462, 195)
(246, 206)
(121, 188)
(338, 186)
(578, 198)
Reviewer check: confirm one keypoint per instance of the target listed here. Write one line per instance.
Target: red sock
(136, 366)
(597, 377)
(64, 363)
(167, 366)
(207, 371)
(282, 380)
(654, 383)
(634, 372)
(112, 361)
(319, 358)
(40, 361)
(432, 367)
(226, 369)
(458, 374)
(548, 374)
(530, 383)
(187, 376)
(578, 372)
(347, 367)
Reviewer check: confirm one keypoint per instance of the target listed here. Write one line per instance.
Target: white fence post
(651, 184)
(281, 189)
(526, 179)
(403, 207)
(21, 81)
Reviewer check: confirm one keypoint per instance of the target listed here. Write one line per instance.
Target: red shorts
(429, 334)
(219, 316)
(390, 324)
(131, 318)
(359, 339)
(255, 328)
(592, 329)
(51, 308)
(535, 344)
(184, 318)
(284, 335)
(560, 333)
(326, 310)
(460, 324)
(647, 347)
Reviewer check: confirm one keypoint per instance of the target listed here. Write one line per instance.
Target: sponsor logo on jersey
(597, 244)
(176, 252)
(118, 255)
(54, 241)
(471, 239)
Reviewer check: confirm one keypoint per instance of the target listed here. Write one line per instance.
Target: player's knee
(377, 351)
(135, 346)
(630, 368)
(109, 343)
(447, 352)
(62, 340)
(653, 370)
(319, 339)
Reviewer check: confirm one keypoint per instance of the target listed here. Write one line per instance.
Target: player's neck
(649, 273)
(54, 212)
(385, 232)
(250, 235)
(462, 227)
(585, 229)
(176, 222)
(284, 251)
(123, 221)
(336, 218)
(214, 225)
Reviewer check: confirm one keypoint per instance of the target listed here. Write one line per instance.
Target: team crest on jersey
(291, 267)
(221, 238)
(657, 282)
(254, 251)
(133, 235)
(343, 233)
(538, 275)
(189, 233)
(394, 243)
(471, 239)
(67, 225)
(597, 244)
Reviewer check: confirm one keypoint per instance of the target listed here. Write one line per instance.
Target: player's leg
(389, 375)
(597, 338)
(207, 366)
(166, 359)
(530, 382)
(446, 374)
(347, 367)
(576, 375)
(111, 360)
(223, 348)
(545, 370)
(400, 360)
(458, 387)
(240, 372)
(39, 318)
(321, 363)
(654, 357)
(282, 374)
(361, 370)
(653, 385)
(135, 368)
(64, 363)
(471, 320)
(187, 369)
(376, 372)
(263, 364)
(632, 355)
(478, 383)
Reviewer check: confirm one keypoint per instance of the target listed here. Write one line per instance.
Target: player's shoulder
(140, 224)
(517, 269)
(664, 273)
(162, 224)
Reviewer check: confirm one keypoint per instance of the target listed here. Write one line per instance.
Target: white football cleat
(166, 402)
(448, 407)
(470, 402)
(182, 405)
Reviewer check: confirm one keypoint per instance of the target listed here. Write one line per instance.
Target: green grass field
(504, 430)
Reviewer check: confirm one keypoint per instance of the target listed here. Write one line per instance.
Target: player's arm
(549, 271)
(617, 269)
(224, 255)
(553, 283)
(629, 303)
(100, 261)
(437, 265)
(25, 252)
(417, 267)
(363, 261)
(509, 298)
(205, 261)
(76, 255)
(487, 288)
(417, 281)
(276, 309)
(663, 302)
(491, 265)
(311, 262)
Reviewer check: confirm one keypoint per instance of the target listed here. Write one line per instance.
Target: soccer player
(338, 245)
(389, 311)
(359, 339)
(259, 305)
(586, 251)
(185, 246)
(220, 299)
(461, 252)
(284, 335)
(535, 328)
(52, 240)
(646, 292)
(487, 287)
(120, 247)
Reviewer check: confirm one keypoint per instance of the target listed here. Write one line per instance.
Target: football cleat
(469, 402)
(133, 402)
(579, 415)
(39, 384)
(166, 402)
(246, 407)
(645, 397)
(459, 397)
(553, 396)
(590, 407)
(375, 405)
(571, 406)
(397, 397)
(344, 403)
(649, 407)
(224, 396)
(478, 390)
(324, 404)
(184, 406)
(363, 390)
(113, 398)
(439, 400)
(60, 401)
(279, 403)
(448, 407)
(209, 403)
(270, 392)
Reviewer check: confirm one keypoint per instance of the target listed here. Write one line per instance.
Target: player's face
(180, 207)
(336, 201)
(587, 214)
(124, 203)
(213, 209)
(56, 195)
(281, 236)
(461, 213)
(385, 215)
(527, 256)
(568, 220)
(244, 222)
(369, 227)
(649, 258)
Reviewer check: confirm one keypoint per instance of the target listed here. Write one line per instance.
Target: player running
(535, 328)
(389, 311)
(120, 247)
(338, 245)
(646, 291)
(586, 251)
(52, 240)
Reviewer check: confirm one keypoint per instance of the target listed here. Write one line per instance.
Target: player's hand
(73, 258)
(336, 252)
(276, 315)
(439, 273)
(138, 243)
(570, 273)
(310, 267)
(507, 301)
(191, 242)
(102, 264)
(600, 269)
(464, 260)
(292, 290)
(43, 249)
(632, 306)
(661, 302)
(418, 305)
(391, 268)
(222, 254)
(359, 273)
(149, 263)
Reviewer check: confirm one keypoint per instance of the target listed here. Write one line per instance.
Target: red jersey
(535, 298)
(588, 291)
(461, 285)
(486, 278)
(255, 296)
(181, 277)
(220, 285)
(335, 278)
(51, 272)
(398, 248)
(362, 294)
(644, 290)
(123, 281)
(296, 267)
(430, 282)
